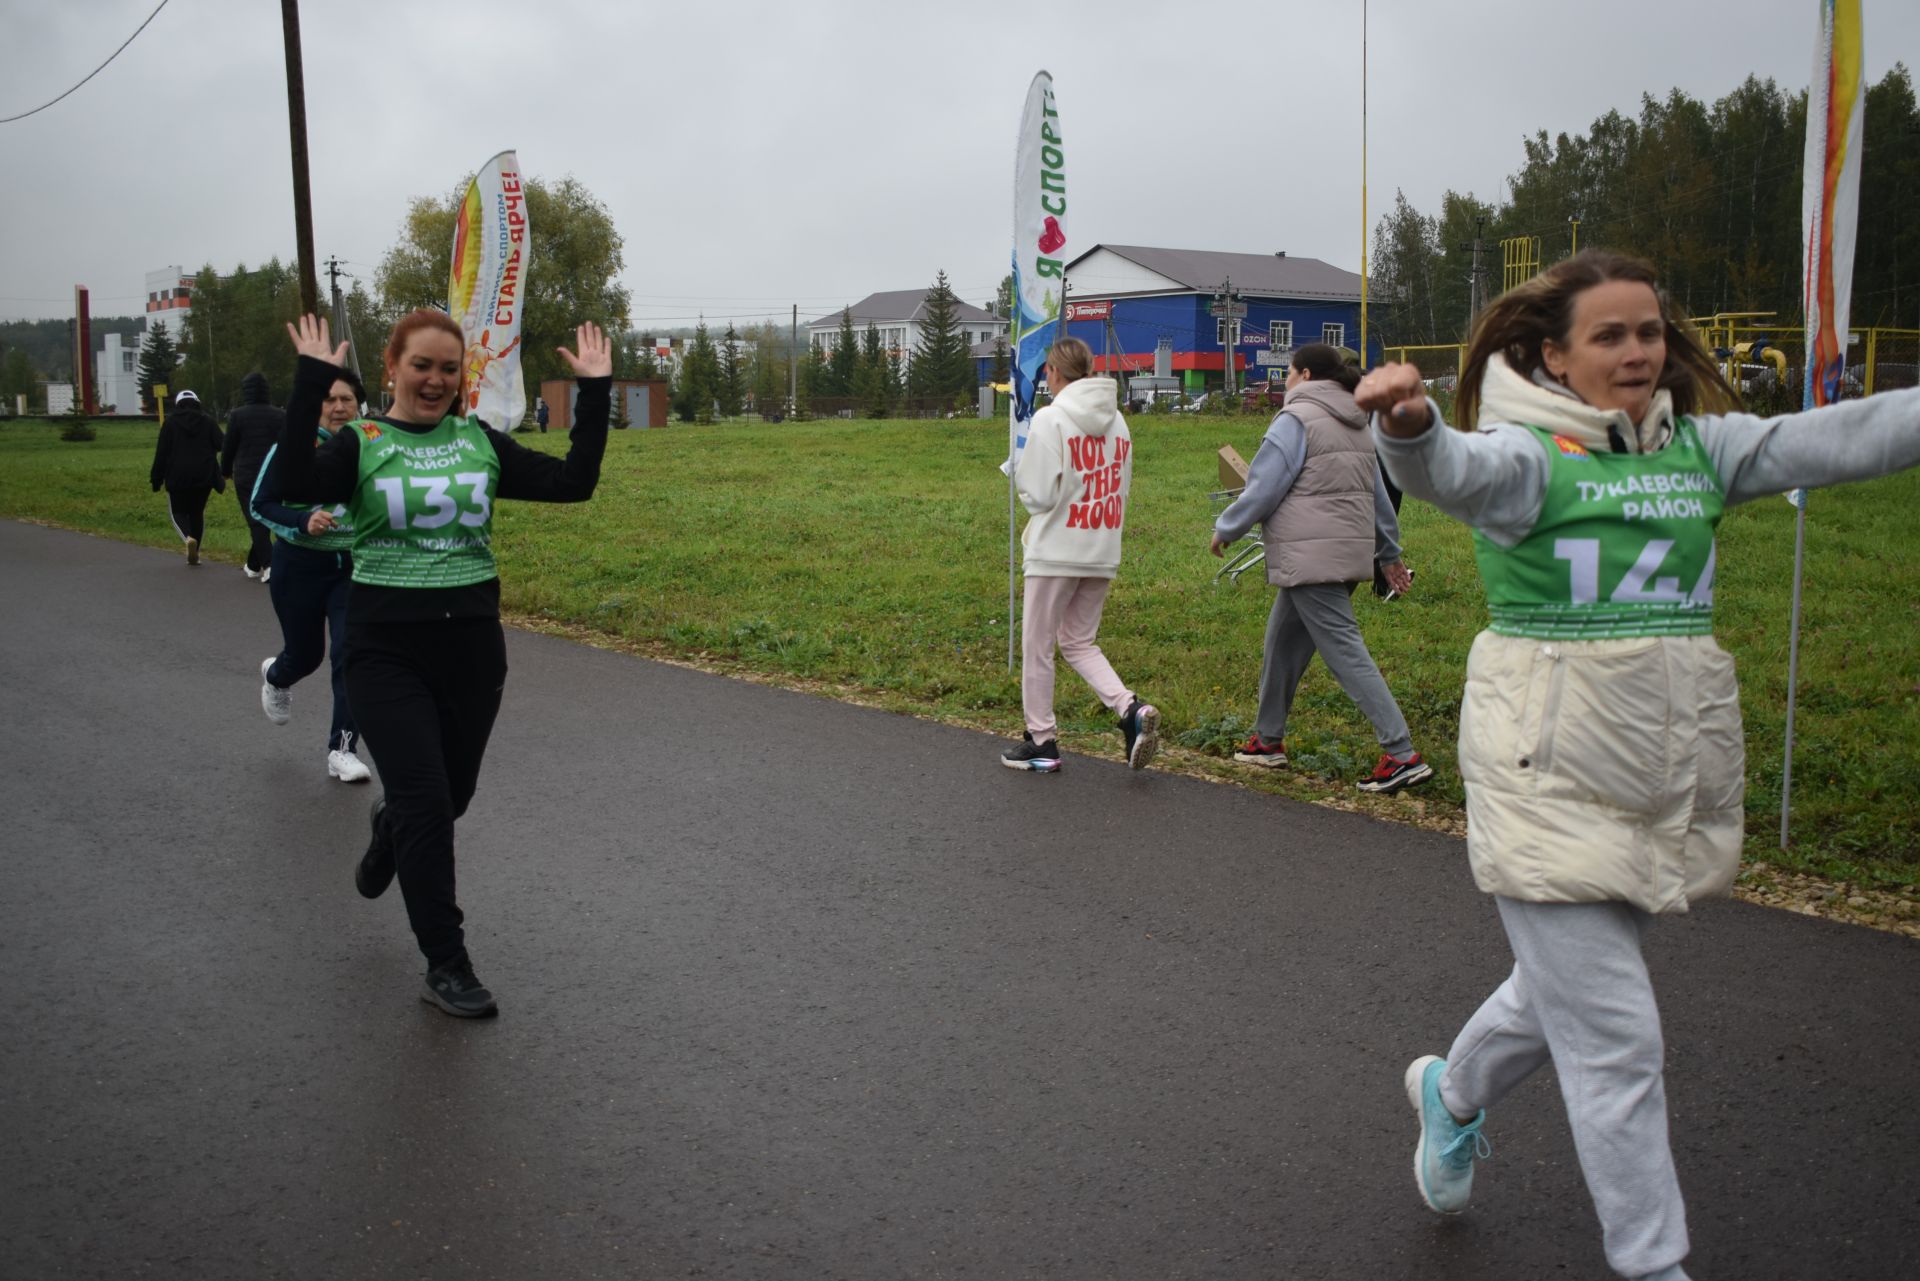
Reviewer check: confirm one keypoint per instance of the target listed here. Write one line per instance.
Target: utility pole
(1473, 278)
(793, 363)
(297, 126)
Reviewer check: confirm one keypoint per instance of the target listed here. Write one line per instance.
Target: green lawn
(872, 557)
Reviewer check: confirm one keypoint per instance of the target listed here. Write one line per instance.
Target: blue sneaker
(1443, 1161)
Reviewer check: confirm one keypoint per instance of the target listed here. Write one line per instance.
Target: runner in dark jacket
(186, 459)
(252, 430)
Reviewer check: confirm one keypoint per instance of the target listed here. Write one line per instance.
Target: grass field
(871, 557)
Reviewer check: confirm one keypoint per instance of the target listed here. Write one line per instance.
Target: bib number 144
(1641, 585)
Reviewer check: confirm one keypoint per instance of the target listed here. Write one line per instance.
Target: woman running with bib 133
(426, 655)
(1600, 736)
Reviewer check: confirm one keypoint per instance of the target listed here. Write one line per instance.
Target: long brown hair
(1515, 324)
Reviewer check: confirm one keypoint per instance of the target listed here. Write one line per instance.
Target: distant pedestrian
(427, 657)
(252, 430)
(1600, 736)
(1074, 478)
(312, 575)
(186, 460)
(1325, 516)
(540, 412)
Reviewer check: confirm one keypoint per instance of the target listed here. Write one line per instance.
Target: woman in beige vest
(1316, 490)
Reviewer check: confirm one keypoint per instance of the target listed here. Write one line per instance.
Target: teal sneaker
(1443, 1161)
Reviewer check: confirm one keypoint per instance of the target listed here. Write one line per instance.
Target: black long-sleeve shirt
(329, 474)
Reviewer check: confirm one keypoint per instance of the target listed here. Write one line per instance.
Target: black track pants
(260, 550)
(425, 696)
(187, 508)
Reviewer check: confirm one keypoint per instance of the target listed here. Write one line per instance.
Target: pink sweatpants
(1066, 612)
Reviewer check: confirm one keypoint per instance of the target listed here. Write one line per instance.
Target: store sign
(1090, 310)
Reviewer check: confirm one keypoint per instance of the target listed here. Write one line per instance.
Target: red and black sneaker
(1258, 751)
(1391, 775)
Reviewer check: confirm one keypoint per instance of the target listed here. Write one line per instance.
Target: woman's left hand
(594, 359)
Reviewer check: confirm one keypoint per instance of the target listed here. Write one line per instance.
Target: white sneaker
(347, 767)
(248, 571)
(266, 575)
(277, 703)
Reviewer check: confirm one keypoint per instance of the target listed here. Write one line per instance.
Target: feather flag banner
(487, 288)
(1830, 194)
(1039, 249)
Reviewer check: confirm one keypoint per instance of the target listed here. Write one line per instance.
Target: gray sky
(758, 154)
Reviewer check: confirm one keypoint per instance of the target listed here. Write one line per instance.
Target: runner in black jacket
(186, 459)
(426, 656)
(252, 430)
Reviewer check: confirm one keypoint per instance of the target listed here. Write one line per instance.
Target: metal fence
(1764, 361)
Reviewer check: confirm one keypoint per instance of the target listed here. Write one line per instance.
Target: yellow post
(160, 399)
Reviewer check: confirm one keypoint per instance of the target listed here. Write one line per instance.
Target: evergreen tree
(942, 369)
(158, 359)
(1002, 367)
(769, 370)
(699, 379)
(731, 388)
(843, 367)
(875, 375)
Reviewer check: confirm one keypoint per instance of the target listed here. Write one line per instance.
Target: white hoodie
(1074, 477)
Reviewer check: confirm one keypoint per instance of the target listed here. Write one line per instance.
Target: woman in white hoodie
(1600, 736)
(1074, 477)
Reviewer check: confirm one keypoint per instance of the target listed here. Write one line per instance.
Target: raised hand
(594, 359)
(312, 339)
(1396, 393)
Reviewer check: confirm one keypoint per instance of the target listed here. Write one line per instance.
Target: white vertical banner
(1039, 249)
(1829, 218)
(1039, 286)
(486, 289)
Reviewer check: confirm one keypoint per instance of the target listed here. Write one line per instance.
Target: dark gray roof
(1269, 275)
(897, 305)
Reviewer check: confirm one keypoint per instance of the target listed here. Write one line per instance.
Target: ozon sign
(1090, 310)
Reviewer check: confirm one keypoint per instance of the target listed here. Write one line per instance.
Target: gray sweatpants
(1319, 618)
(1579, 996)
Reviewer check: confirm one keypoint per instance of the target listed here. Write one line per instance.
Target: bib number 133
(436, 497)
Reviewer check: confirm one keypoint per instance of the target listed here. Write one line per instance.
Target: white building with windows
(900, 317)
(116, 374)
(169, 299)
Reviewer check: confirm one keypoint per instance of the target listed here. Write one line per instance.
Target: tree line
(1710, 193)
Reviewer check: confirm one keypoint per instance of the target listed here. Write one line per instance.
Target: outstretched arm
(1853, 440)
(306, 474)
(528, 473)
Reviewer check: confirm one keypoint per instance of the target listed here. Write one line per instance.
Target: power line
(96, 71)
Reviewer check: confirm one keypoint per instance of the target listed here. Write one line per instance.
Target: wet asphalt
(795, 989)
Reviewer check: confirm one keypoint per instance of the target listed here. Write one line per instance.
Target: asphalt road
(793, 989)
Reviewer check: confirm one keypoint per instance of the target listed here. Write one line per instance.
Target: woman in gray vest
(1600, 737)
(1315, 489)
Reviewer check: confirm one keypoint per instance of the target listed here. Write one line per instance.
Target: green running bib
(422, 509)
(1623, 547)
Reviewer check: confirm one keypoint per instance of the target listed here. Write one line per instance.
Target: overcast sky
(756, 155)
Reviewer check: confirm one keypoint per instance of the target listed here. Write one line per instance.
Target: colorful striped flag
(1830, 195)
(487, 289)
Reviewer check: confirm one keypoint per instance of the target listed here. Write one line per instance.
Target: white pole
(1793, 659)
(1012, 538)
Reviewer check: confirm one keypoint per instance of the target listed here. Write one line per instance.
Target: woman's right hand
(1398, 395)
(312, 339)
